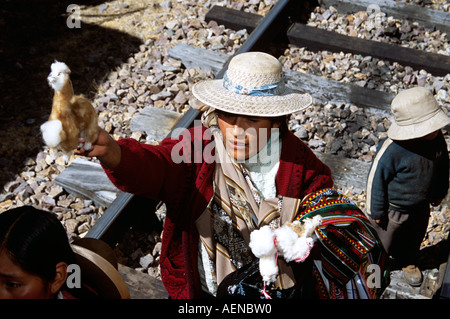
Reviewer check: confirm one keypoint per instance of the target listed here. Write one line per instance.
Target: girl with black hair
(34, 256)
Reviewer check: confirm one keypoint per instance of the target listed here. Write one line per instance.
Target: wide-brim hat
(99, 268)
(416, 114)
(253, 85)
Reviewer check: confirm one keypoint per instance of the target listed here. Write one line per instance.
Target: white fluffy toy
(292, 241)
(262, 244)
(72, 116)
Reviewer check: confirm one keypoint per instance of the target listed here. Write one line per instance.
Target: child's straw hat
(99, 268)
(252, 85)
(416, 114)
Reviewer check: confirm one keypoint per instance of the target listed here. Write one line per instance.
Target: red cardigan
(187, 187)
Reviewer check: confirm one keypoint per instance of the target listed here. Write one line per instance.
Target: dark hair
(35, 240)
(284, 126)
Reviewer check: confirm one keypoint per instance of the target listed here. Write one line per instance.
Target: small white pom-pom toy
(263, 246)
(294, 239)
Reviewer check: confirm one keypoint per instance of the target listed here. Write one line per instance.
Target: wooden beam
(156, 122)
(425, 16)
(233, 19)
(325, 90)
(88, 179)
(319, 39)
(192, 58)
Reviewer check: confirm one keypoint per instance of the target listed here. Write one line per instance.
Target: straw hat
(98, 265)
(416, 114)
(252, 85)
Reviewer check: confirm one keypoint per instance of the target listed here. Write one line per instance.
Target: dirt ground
(34, 34)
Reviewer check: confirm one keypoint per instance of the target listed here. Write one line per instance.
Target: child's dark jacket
(407, 174)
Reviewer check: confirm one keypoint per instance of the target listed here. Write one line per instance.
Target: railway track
(283, 25)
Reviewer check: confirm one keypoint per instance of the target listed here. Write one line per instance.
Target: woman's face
(15, 283)
(245, 136)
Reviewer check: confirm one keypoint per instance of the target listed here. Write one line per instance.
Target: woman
(238, 171)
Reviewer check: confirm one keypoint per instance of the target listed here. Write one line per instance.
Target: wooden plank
(425, 16)
(88, 179)
(330, 91)
(155, 122)
(233, 19)
(319, 39)
(194, 57)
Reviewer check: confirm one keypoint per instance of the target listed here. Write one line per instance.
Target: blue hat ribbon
(264, 90)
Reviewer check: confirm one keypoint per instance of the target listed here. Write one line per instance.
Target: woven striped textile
(349, 248)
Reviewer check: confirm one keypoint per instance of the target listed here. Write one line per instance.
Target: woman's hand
(105, 148)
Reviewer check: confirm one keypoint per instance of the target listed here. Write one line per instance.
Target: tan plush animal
(72, 116)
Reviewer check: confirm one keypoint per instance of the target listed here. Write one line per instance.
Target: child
(222, 179)
(410, 171)
(35, 256)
